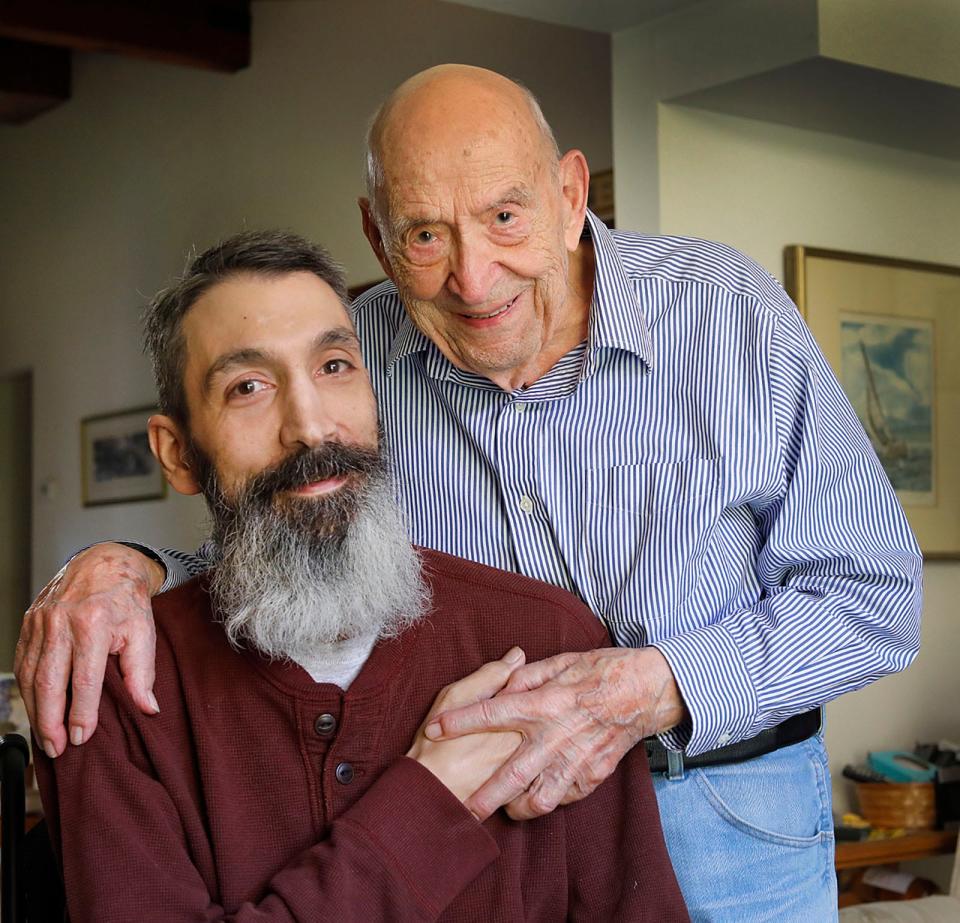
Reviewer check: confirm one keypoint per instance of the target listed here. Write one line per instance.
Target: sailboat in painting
(890, 449)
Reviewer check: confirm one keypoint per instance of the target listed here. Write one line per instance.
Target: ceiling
(37, 37)
(597, 15)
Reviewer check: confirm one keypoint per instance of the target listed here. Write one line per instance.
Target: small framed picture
(600, 197)
(891, 330)
(116, 461)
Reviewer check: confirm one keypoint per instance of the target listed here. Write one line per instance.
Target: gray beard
(290, 584)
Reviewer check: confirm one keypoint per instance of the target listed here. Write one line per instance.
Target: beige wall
(759, 187)
(101, 198)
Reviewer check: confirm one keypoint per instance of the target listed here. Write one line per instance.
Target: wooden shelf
(916, 845)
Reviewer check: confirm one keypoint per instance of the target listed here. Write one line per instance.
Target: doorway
(16, 491)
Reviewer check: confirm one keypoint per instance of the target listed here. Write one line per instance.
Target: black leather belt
(791, 731)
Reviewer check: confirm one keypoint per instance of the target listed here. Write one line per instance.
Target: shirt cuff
(179, 566)
(177, 571)
(424, 832)
(716, 689)
(171, 578)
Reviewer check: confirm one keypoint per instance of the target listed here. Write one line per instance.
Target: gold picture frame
(116, 463)
(890, 329)
(600, 197)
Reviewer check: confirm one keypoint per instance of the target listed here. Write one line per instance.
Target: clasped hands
(573, 717)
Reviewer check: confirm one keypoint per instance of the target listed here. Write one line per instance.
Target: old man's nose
(473, 271)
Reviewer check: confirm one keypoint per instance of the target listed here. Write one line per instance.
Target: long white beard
(289, 591)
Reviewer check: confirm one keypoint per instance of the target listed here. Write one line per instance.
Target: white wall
(759, 187)
(101, 198)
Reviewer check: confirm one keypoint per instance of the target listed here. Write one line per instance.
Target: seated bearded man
(277, 780)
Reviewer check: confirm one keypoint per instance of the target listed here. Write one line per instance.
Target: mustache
(330, 460)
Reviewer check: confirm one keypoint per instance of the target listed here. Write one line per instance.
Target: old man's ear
(372, 232)
(574, 185)
(169, 444)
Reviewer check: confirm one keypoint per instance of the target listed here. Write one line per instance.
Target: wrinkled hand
(465, 763)
(99, 604)
(579, 714)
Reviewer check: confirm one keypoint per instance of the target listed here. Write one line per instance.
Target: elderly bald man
(643, 420)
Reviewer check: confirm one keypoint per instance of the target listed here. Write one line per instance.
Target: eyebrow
(335, 336)
(517, 194)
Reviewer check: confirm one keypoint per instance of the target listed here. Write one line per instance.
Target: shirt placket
(518, 466)
(319, 727)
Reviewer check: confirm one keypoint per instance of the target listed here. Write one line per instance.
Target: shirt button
(325, 725)
(526, 504)
(723, 739)
(519, 406)
(344, 773)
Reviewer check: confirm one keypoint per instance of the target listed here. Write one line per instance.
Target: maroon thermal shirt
(258, 794)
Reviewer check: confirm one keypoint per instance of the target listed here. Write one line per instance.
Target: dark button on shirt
(344, 773)
(325, 725)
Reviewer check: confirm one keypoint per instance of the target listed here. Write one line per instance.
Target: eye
(336, 367)
(505, 217)
(423, 244)
(247, 387)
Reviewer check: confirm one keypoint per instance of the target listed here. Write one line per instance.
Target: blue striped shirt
(693, 472)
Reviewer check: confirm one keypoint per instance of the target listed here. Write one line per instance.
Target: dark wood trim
(355, 291)
(213, 35)
(33, 79)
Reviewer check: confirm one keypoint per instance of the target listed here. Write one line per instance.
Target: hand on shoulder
(97, 605)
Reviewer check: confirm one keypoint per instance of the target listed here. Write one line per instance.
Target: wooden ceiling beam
(209, 34)
(33, 79)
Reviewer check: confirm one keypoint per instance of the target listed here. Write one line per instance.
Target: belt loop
(674, 765)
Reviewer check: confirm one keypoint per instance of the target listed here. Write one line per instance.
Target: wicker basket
(897, 804)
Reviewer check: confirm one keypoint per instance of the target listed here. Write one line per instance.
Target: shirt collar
(408, 341)
(616, 318)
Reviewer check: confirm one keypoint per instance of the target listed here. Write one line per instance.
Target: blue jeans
(753, 841)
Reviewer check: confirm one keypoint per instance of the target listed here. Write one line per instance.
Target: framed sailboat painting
(891, 330)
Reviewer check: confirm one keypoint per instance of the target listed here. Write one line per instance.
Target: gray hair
(374, 161)
(260, 253)
(286, 586)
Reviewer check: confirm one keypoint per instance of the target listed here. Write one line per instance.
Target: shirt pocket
(646, 528)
